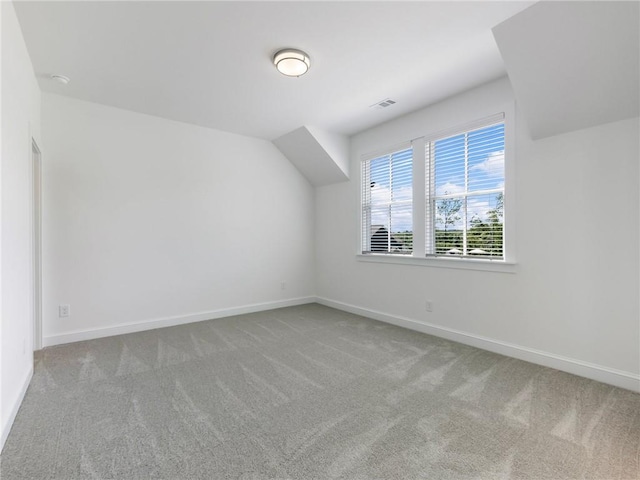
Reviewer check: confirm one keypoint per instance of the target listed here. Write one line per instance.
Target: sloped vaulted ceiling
(573, 65)
(322, 157)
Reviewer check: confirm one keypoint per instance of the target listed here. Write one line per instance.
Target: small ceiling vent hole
(387, 102)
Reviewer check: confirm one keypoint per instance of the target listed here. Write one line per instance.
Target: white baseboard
(80, 335)
(611, 376)
(6, 428)
(627, 380)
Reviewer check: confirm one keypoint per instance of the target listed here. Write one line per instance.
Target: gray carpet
(312, 393)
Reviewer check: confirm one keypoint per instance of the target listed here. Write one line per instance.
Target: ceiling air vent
(387, 102)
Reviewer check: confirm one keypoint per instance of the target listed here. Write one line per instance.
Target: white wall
(20, 121)
(572, 302)
(151, 220)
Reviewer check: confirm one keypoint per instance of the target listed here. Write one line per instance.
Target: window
(447, 203)
(465, 188)
(387, 198)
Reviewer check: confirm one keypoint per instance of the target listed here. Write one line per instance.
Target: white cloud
(449, 188)
(476, 207)
(402, 219)
(493, 166)
(382, 194)
(479, 208)
(403, 193)
(379, 194)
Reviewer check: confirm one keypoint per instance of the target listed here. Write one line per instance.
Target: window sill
(438, 262)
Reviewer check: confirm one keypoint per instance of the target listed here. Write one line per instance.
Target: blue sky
(397, 187)
(486, 169)
(486, 172)
(486, 161)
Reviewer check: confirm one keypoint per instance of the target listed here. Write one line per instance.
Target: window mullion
(430, 195)
(401, 186)
(390, 203)
(386, 202)
(366, 190)
(419, 204)
(466, 193)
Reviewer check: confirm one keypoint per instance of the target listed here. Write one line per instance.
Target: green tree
(406, 238)
(447, 211)
(487, 234)
(496, 215)
(447, 214)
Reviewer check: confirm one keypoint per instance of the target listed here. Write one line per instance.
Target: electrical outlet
(428, 306)
(283, 286)
(64, 310)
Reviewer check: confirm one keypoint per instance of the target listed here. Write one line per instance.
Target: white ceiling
(209, 63)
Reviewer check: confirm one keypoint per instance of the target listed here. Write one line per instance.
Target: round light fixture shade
(60, 79)
(292, 62)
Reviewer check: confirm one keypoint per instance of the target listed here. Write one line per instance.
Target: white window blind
(387, 203)
(465, 179)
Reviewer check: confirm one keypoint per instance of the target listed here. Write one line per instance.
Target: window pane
(387, 203)
(485, 227)
(464, 207)
(486, 158)
(449, 157)
(449, 224)
(379, 180)
(401, 228)
(379, 238)
(401, 176)
(380, 216)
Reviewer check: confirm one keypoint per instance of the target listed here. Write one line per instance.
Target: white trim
(422, 200)
(611, 376)
(80, 335)
(462, 263)
(36, 249)
(509, 200)
(619, 378)
(6, 428)
(419, 201)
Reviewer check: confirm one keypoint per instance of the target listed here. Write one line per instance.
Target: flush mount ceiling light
(61, 79)
(291, 62)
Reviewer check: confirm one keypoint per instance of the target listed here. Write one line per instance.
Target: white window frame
(420, 199)
(365, 222)
(432, 196)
